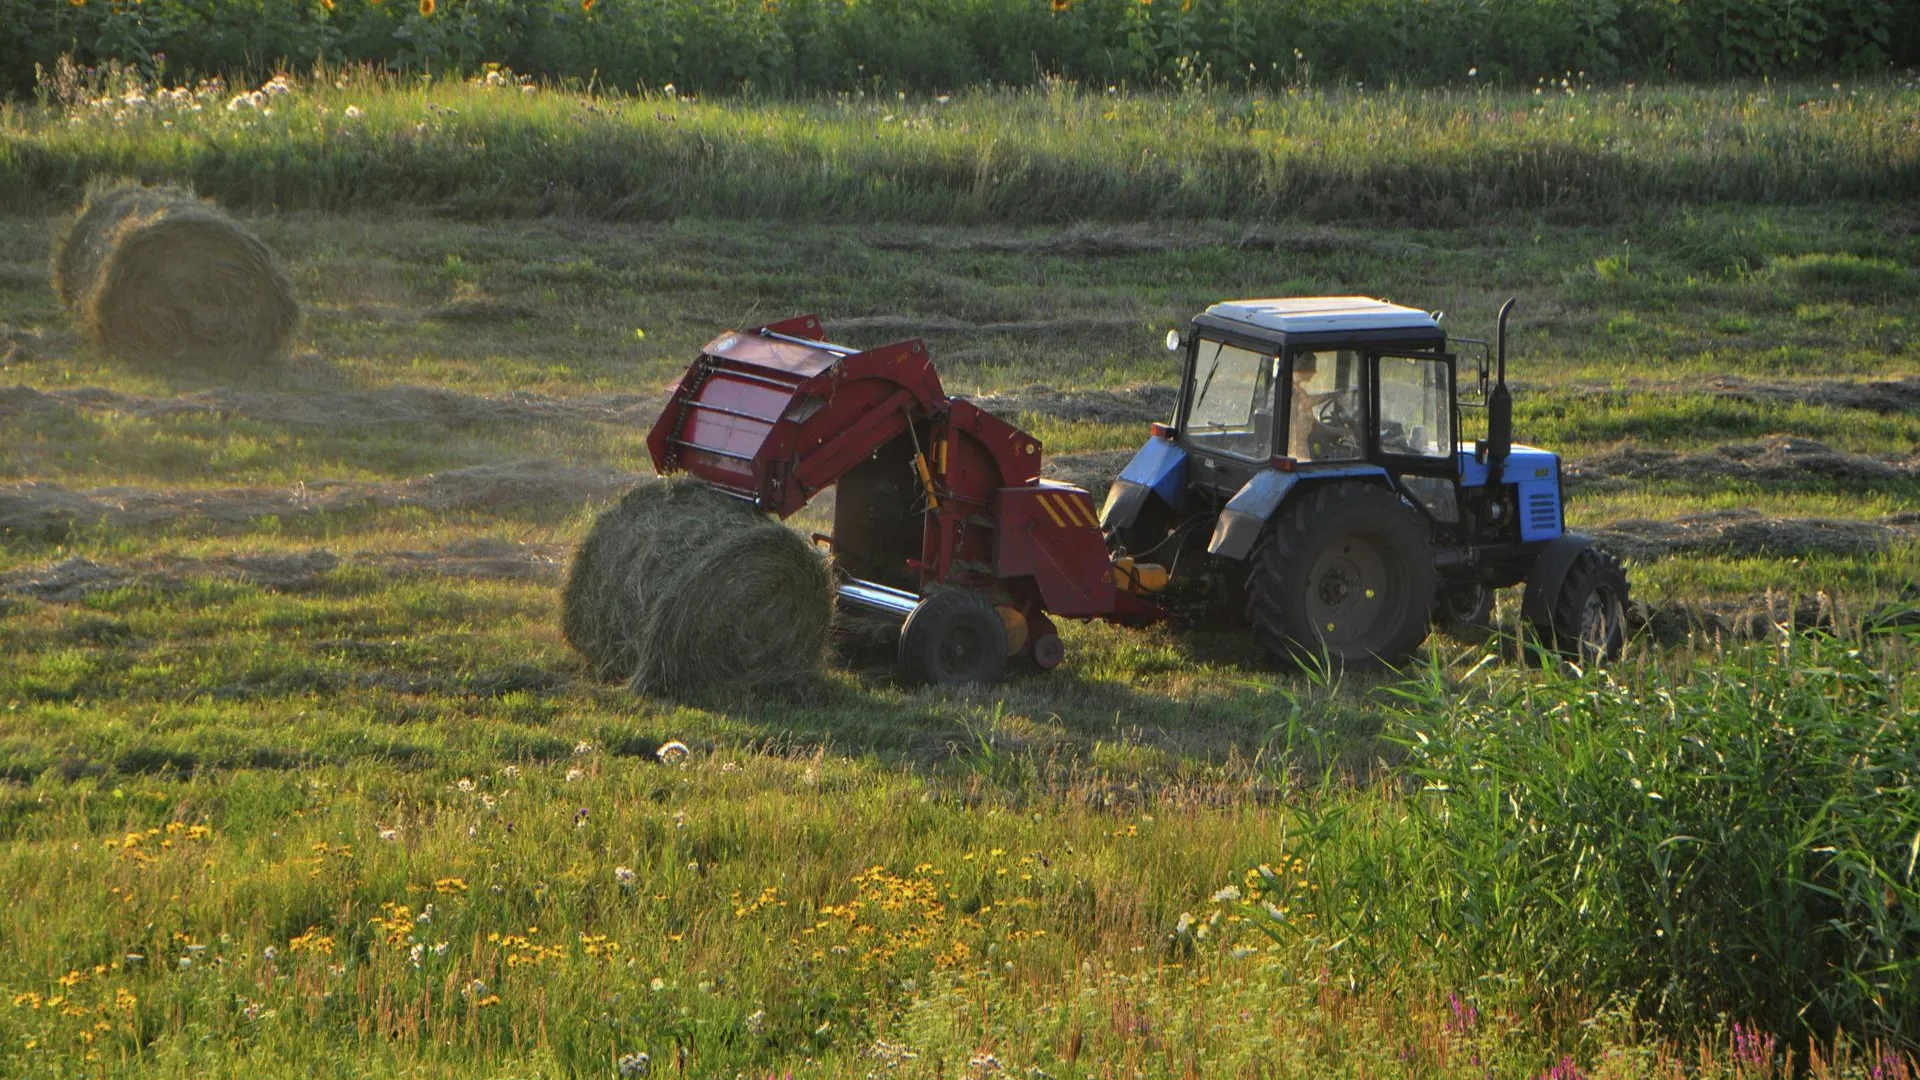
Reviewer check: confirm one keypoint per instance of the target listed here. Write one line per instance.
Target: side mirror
(1173, 341)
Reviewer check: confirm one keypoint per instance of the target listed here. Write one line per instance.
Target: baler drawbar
(940, 514)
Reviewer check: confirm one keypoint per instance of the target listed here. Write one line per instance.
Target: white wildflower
(353, 112)
(625, 875)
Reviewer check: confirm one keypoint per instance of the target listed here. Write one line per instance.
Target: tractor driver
(1322, 423)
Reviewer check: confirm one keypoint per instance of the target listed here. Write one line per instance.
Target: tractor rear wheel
(953, 636)
(1587, 620)
(1346, 574)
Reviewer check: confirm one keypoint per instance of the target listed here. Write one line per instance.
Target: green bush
(794, 46)
(1735, 842)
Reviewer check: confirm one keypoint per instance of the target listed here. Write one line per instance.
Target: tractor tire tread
(1278, 620)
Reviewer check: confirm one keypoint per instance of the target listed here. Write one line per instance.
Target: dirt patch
(72, 580)
(1748, 532)
(1111, 241)
(395, 405)
(1753, 618)
(480, 311)
(1140, 405)
(1093, 471)
(1775, 460)
(484, 559)
(917, 325)
(1883, 395)
(49, 511)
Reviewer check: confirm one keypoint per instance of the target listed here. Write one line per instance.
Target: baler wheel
(953, 636)
(1588, 620)
(1345, 577)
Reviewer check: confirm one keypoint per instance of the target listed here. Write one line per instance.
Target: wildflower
(658, 984)
(270, 954)
(464, 784)
(1057, 5)
(582, 748)
(675, 750)
(575, 774)
(586, 5)
(415, 953)
(1465, 1016)
(426, 7)
(1227, 895)
(635, 1064)
(389, 835)
(757, 1022)
(510, 771)
(1473, 72)
(625, 876)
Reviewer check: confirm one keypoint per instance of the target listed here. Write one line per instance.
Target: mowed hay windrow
(155, 275)
(680, 588)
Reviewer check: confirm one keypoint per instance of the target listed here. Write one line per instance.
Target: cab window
(1416, 406)
(1324, 417)
(1232, 408)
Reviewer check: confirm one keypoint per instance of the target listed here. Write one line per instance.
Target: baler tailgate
(723, 414)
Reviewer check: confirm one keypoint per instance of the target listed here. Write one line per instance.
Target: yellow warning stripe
(1051, 512)
(1084, 507)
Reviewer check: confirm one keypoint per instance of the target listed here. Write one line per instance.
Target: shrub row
(795, 46)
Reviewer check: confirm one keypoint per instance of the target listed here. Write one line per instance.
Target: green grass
(402, 725)
(988, 156)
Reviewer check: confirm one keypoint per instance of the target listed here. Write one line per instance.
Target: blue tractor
(1317, 476)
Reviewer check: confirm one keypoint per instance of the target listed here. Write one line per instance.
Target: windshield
(1232, 408)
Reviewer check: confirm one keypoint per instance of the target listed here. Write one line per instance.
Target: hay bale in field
(680, 588)
(155, 275)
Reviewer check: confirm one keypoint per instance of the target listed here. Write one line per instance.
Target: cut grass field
(297, 777)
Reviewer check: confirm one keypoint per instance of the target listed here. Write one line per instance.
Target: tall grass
(1732, 839)
(1063, 153)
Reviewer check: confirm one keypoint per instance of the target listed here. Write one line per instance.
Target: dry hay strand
(680, 588)
(155, 275)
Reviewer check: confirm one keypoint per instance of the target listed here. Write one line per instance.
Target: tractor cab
(1292, 382)
(1295, 412)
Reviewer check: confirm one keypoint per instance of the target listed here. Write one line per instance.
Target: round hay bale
(154, 275)
(680, 588)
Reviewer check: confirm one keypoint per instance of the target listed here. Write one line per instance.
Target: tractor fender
(1549, 572)
(1158, 468)
(1246, 514)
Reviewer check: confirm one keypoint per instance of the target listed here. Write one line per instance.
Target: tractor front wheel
(1587, 621)
(953, 636)
(1345, 576)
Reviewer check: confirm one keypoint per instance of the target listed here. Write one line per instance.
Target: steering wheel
(1335, 409)
(1337, 425)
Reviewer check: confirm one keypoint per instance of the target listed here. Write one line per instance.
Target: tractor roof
(1323, 314)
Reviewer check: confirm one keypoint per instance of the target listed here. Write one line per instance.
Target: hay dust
(38, 510)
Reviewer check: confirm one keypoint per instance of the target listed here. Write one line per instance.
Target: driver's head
(1305, 364)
